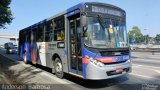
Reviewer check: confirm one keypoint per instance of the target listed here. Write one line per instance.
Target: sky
(142, 13)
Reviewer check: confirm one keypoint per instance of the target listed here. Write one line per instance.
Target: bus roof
(105, 4)
(79, 6)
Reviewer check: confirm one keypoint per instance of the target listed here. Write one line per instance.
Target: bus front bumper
(95, 72)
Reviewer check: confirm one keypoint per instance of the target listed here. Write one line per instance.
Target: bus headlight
(129, 60)
(100, 64)
(95, 62)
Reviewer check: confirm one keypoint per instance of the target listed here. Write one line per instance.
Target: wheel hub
(58, 67)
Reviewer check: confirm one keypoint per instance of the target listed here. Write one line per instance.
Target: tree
(157, 38)
(5, 13)
(146, 39)
(135, 35)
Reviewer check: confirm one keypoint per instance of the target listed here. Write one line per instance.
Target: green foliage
(157, 38)
(135, 35)
(5, 13)
(146, 39)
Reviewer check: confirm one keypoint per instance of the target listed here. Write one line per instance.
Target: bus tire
(58, 68)
(25, 58)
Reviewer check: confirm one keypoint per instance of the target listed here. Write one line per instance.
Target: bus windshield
(108, 33)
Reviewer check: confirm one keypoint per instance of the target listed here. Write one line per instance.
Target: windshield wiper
(102, 22)
(104, 25)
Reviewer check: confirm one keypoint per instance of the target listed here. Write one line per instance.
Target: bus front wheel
(58, 68)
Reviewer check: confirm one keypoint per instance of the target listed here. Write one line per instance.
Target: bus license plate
(119, 70)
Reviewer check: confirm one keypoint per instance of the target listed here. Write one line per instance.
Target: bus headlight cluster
(95, 62)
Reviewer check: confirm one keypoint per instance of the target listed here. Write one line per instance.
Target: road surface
(145, 75)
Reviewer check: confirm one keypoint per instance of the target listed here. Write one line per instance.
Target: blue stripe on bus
(84, 70)
(74, 71)
(89, 53)
(84, 65)
(94, 55)
(73, 13)
(86, 52)
(76, 7)
(37, 24)
(26, 47)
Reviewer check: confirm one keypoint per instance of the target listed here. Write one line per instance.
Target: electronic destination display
(104, 10)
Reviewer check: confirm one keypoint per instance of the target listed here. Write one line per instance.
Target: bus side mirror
(85, 30)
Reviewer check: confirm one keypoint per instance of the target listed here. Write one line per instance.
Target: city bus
(88, 40)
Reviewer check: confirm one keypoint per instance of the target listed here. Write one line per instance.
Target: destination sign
(107, 11)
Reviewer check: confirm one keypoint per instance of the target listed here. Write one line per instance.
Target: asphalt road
(145, 75)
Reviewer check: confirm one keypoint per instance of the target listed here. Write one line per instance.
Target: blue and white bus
(88, 40)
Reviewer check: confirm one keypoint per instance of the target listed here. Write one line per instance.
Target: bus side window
(59, 30)
(48, 31)
(40, 36)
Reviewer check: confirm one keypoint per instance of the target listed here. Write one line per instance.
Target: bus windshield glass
(106, 33)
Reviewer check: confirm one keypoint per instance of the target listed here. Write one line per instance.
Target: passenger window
(48, 31)
(59, 29)
(40, 36)
(55, 29)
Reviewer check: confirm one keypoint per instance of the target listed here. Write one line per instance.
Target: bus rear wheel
(58, 68)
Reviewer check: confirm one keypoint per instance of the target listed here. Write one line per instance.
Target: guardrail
(152, 50)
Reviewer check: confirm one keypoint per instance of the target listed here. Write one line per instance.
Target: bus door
(75, 49)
